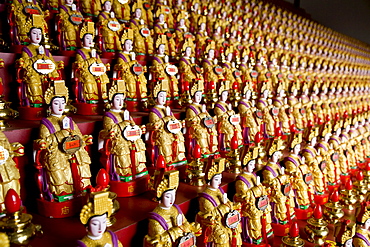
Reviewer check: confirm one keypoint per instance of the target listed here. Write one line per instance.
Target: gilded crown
(127, 34)
(88, 28)
(364, 213)
(170, 181)
(37, 22)
(138, 4)
(225, 86)
(276, 145)
(217, 167)
(160, 10)
(211, 46)
(162, 86)
(348, 233)
(161, 40)
(182, 15)
(251, 155)
(296, 140)
(57, 90)
(313, 133)
(229, 49)
(119, 87)
(197, 87)
(99, 205)
(202, 19)
(188, 43)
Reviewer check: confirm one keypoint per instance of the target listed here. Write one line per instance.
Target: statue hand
(41, 144)
(21, 63)
(88, 140)
(18, 149)
(107, 65)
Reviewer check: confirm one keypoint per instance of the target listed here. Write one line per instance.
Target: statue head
(35, 35)
(250, 166)
(107, 6)
(57, 105)
(97, 225)
(197, 98)
(127, 45)
(168, 198)
(118, 101)
(161, 98)
(216, 181)
(161, 49)
(87, 40)
(137, 13)
(188, 51)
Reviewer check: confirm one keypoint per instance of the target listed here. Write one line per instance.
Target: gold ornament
(170, 181)
(225, 86)
(217, 167)
(161, 40)
(296, 140)
(277, 145)
(100, 204)
(211, 46)
(88, 28)
(197, 87)
(127, 34)
(160, 87)
(118, 88)
(58, 90)
(188, 43)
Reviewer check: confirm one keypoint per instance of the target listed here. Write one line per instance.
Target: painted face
(127, 46)
(297, 148)
(161, 18)
(118, 101)
(69, 1)
(97, 226)
(349, 243)
(138, 13)
(216, 181)
(188, 52)
(211, 53)
(229, 57)
(276, 156)
(36, 36)
(224, 96)
(58, 105)
(107, 6)
(182, 22)
(168, 198)
(202, 26)
(265, 93)
(88, 40)
(161, 98)
(161, 49)
(313, 141)
(248, 94)
(198, 97)
(251, 165)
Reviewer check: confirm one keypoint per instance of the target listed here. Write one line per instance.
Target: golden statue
(161, 69)
(269, 113)
(161, 29)
(362, 236)
(167, 224)
(122, 10)
(228, 123)
(91, 8)
(218, 216)
(129, 70)
(62, 161)
(69, 22)
(9, 173)
(125, 145)
(253, 196)
(109, 29)
(36, 67)
(200, 125)
(143, 39)
(94, 216)
(166, 138)
(90, 76)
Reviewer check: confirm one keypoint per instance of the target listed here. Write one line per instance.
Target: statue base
(109, 55)
(280, 230)
(132, 188)
(332, 188)
(60, 209)
(132, 106)
(31, 113)
(16, 48)
(321, 199)
(344, 179)
(68, 53)
(303, 214)
(89, 109)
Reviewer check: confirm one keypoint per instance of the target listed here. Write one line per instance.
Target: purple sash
(64, 8)
(359, 235)
(210, 198)
(156, 112)
(292, 160)
(263, 102)
(194, 110)
(120, 55)
(160, 219)
(226, 65)
(221, 107)
(104, 16)
(281, 103)
(157, 59)
(205, 60)
(244, 180)
(82, 54)
(184, 60)
(133, 21)
(308, 151)
(271, 170)
(243, 103)
(110, 115)
(29, 53)
(335, 140)
(321, 145)
(50, 126)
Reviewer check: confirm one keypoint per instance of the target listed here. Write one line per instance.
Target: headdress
(161, 40)
(296, 140)
(169, 181)
(313, 133)
(202, 19)
(229, 49)
(196, 88)
(57, 90)
(160, 10)
(188, 43)
(251, 155)
(182, 15)
(127, 34)
(217, 167)
(364, 213)
(346, 232)
(119, 87)
(276, 145)
(100, 204)
(211, 46)
(161, 86)
(37, 22)
(137, 5)
(225, 86)
(88, 28)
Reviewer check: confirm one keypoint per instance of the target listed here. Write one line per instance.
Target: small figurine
(129, 70)
(9, 173)
(63, 163)
(91, 8)
(36, 69)
(165, 136)
(122, 10)
(362, 236)
(161, 29)
(89, 75)
(218, 216)
(123, 145)
(94, 216)
(69, 22)
(109, 29)
(167, 224)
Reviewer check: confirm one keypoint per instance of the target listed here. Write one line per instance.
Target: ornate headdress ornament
(57, 90)
(88, 28)
(118, 87)
(196, 87)
(161, 40)
(202, 19)
(127, 34)
(211, 46)
(251, 155)
(296, 140)
(217, 167)
(161, 86)
(160, 10)
(182, 15)
(313, 133)
(137, 5)
(170, 181)
(276, 145)
(36, 21)
(225, 86)
(364, 213)
(188, 43)
(100, 204)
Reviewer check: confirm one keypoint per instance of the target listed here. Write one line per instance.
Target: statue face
(36, 36)
(224, 96)
(97, 226)
(248, 94)
(161, 49)
(127, 46)
(161, 98)
(348, 243)
(138, 13)
(202, 26)
(296, 149)
(69, 1)
(88, 40)
(313, 141)
(118, 101)
(168, 198)
(57, 106)
(197, 96)
(107, 6)
(182, 22)
(276, 156)
(161, 18)
(216, 181)
(251, 165)
(229, 57)
(265, 94)
(188, 52)
(211, 53)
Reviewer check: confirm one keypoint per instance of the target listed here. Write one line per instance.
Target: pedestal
(60, 209)
(321, 199)
(31, 113)
(89, 109)
(132, 188)
(280, 230)
(303, 214)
